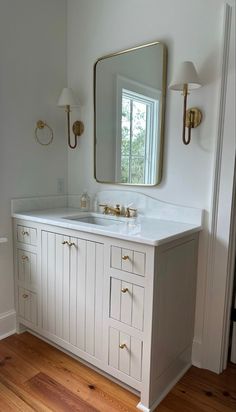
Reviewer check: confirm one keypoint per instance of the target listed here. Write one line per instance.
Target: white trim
(151, 95)
(230, 283)
(11, 332)
(143, 408)
(152, 408)
(197, 353)
(7, 324)
(214, 327)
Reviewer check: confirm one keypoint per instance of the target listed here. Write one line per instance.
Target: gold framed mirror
(129, 111)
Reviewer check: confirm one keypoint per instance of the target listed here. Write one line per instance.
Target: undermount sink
(95, 220)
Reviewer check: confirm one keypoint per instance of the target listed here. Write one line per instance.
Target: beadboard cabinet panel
(72, 276)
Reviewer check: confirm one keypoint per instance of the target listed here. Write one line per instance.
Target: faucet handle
(130, 209)
(105, 206)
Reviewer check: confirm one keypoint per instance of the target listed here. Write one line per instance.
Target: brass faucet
(109, 210)
(130, 212)
(118, 211)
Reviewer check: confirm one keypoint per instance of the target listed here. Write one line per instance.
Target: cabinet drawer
(127, 303)
(27, 235)
(125, 353)
(27, 305)
(128, 260)
(27, 266)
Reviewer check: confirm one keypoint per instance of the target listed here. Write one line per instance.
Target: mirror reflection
(129, 112)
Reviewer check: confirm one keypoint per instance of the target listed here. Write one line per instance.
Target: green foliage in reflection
(133, 138)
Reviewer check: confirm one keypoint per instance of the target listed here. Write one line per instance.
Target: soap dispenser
(85, 201)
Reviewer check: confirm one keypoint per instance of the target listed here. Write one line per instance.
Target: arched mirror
(129, 106)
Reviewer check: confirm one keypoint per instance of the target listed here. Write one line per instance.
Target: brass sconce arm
(187, 79)
(185, 93)
(68, 127)
(66, 100)
(191, 117)
(77, 127)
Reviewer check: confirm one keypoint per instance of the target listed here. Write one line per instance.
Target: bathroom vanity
(119, 293)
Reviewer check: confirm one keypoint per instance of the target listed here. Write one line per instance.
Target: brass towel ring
(39, 126)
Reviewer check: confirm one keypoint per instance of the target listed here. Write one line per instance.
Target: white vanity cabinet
(123, 306)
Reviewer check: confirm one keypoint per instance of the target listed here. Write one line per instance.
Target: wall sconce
(187, 79)
(67, 100)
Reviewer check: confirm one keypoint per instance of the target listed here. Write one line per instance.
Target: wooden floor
(34, 376)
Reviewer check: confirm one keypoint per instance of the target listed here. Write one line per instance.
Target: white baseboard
(197, 354)
(165, 392)
(7, 324)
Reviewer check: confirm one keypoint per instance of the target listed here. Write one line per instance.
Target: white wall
(192, 31)
(32, 72)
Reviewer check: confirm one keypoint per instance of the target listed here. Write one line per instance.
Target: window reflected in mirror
(129, 108)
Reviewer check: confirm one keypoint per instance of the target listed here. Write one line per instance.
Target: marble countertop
(146, 230)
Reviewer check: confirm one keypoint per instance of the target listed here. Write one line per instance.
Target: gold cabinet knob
(123, 346)
(125, 257)
(25, 233)
(24, 258)
(124, 290)
(71, 244)
(25, 296)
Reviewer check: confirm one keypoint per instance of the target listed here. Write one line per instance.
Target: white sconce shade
(67, 98)
(186, 74)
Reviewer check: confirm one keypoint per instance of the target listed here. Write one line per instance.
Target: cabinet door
(72, 285)
(27, 305)
(127, 303)
(27, 267)
(125, 353)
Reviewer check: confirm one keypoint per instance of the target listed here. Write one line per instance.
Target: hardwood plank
(56, 396)
(9, 401)
(91, 386)
(196, 393)
(20, 397)
(6, 405)
(14, 367)
(192, 401)
(226, 380)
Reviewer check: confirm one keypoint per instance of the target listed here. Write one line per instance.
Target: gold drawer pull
(123, 346)
(24, 258)
(68, 243)
(125, 257)
(25, 233)
(25, 296)
(124, 290)
(71, 244)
